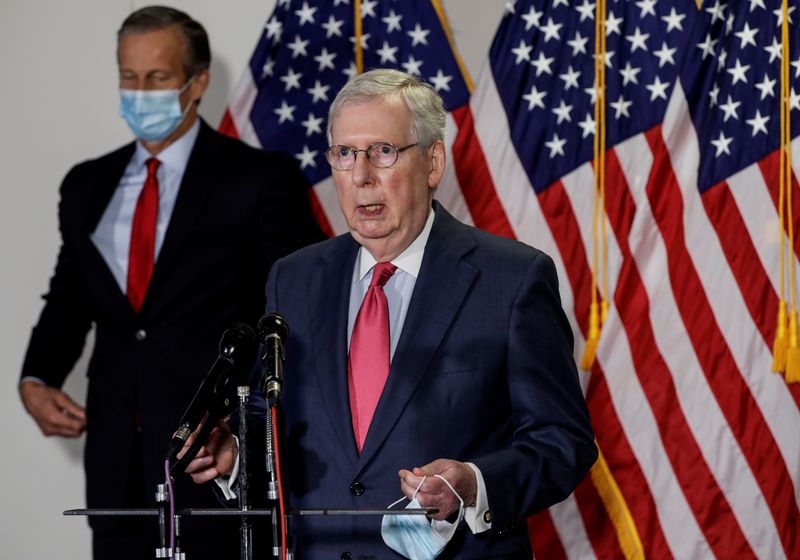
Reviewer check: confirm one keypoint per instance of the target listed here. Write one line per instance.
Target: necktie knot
(152, 166)
(381, 274)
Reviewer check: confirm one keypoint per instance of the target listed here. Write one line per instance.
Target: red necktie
(368, 365)
(143, 238)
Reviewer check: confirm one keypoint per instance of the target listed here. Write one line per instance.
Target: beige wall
(58, 104)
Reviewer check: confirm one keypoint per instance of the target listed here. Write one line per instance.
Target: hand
(54, 412)
(216, 458)
(434, 493)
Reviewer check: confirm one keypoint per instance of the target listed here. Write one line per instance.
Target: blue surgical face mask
(415, 536)
(153, 115)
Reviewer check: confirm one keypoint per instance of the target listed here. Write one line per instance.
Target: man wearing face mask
(166, 242)
(425, 358)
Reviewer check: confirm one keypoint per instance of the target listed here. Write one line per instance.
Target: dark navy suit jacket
(483, 372)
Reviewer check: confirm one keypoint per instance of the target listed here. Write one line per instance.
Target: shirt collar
(174, 156)
(408, 261)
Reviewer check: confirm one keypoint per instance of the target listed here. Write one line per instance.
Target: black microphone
(215, 398)
(272, 332)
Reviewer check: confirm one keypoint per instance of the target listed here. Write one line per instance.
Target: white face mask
(153, 115)
(415, 536)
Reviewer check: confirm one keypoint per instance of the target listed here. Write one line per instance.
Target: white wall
(58, 105)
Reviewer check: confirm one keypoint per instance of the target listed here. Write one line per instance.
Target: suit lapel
(329, 327)
(443, 282)
(198, 182)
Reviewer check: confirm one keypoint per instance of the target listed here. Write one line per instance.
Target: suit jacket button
(141, 334)
(346, 556)
(356, 489)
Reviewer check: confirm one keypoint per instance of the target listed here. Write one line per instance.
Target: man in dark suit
(479, 413)
(166, 242)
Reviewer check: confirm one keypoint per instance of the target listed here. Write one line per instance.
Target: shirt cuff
(478, 517)
(32, 378)
(226, 483)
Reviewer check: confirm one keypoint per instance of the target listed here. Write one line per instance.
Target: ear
(436, 153)
(199, 85)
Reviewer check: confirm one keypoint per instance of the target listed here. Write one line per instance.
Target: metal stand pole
(245, 527)
(162, 499)
(272, 486)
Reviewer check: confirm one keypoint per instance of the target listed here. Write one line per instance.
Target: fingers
(54, 412)
(214, 459)
(433, 492)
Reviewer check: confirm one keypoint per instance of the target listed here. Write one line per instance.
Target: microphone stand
(272, 484)
(245, 527)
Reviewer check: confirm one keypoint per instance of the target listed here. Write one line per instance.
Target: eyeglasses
(379, 154)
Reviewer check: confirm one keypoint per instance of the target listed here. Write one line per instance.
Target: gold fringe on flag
(359, 31)
(598, 310)
(790, 343)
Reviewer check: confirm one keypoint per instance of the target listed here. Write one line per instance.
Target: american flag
(306, 53)
(700, 454)
(699, 439)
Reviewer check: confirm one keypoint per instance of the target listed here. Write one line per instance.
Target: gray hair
(155, 18)
(425, 105)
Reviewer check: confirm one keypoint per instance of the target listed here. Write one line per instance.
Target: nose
(361, 174)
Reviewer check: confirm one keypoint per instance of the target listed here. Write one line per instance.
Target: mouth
(370, 210)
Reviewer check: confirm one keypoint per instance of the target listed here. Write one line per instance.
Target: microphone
(272, 332)
(215, 397)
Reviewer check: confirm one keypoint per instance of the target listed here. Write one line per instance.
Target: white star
(592, 91)
(713, 95)
(646, 7)
(766, 87)
(337, 2)
(523, 52)
(758, 123)
(586, 10)
(368, 7)
(721, 144)
(542, 64)
(440, 81)
(607, 57)
(578, 44)
(664, 55)
(638, 40)
(268, 68)
(386, 52)
(794, 100)
(532, 18)
(392, 21)
(313, 124)
(534, 98)
(285, 112)
(556, 3)
(757, 4)
(657, 89)
(729, 23)
(284, 4)
(563, 112)
(796, 64)
(612, 24)
(673, 20)
(274, 29)
(629, 74)
(291, 79)
(325, 60)
(570, 78)
(306, 14)
(774, 50)
(730, 109)
(747, 36)
(707, 46)
(717, 12)
(319, 92)
(587, 125)
(298, 46)
(307, 157)
(779, 14)
(350, 71)
(412, 65)
(551, 30)
(722, 58)
(621, 106)
(364, 38)
(556, 145)
(333, 27)
(738, 72)
(418, 35)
